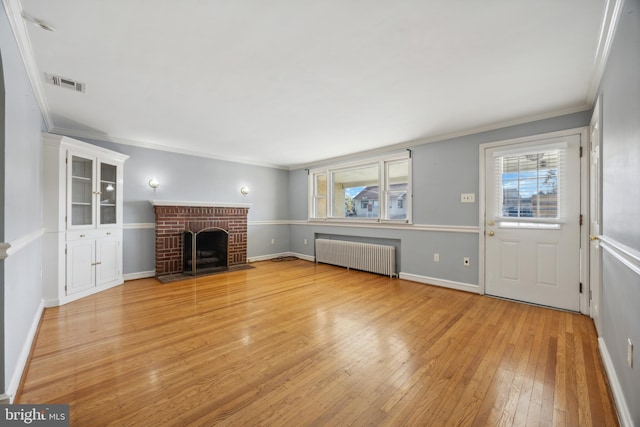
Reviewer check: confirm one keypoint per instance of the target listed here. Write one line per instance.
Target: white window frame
(383, 210)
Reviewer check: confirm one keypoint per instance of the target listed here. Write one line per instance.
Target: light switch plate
(468, 198)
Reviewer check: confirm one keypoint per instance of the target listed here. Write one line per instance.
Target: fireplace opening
(205, 251)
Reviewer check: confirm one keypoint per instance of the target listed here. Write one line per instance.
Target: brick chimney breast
(174, 218)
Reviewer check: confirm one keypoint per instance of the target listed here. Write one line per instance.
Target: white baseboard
(624, 415)
(139, 275)
(303, 256)
(460, 286)
(282, 254)
(14, 383)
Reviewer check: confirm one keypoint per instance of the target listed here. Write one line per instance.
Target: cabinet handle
(83, 235)
(96, 263)
(108, 233)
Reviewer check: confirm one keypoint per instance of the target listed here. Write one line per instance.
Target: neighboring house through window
(353, 191)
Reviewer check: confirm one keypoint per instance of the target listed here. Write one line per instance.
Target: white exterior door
(532, 214)
(594, 222)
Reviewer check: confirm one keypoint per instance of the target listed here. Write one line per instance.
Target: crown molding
(152, 146)
(610, 20)
(445, 136)
(19, 28)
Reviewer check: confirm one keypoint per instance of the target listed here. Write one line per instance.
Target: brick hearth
(173, 221)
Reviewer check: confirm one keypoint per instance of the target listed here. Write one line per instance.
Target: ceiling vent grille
(65, 83)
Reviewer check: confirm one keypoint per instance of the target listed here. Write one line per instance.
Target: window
(319, 195)
(372, 190)
(530, 186)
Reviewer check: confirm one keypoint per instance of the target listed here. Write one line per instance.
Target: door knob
(490, 233)
(592, 237)
(490, 223)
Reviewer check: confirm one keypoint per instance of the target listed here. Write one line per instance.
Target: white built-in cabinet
(82, 217)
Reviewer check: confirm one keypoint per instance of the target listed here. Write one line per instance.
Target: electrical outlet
(465, 261)
(273, 241)
(436, 257)
(305, 241)
(630, 352)
(468, 198)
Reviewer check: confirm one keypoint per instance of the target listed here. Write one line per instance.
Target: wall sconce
(154, 184)
(244, 190)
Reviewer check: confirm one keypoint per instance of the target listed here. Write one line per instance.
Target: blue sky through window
(529, 183)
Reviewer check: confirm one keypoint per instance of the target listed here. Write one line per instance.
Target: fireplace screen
(205, 251)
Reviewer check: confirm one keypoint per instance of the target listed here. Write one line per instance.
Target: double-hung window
(373, 190)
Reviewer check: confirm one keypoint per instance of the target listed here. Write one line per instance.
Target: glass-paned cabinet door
(81, 191)
(108, 193)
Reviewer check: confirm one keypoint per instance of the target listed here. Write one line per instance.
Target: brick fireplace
(174, 218)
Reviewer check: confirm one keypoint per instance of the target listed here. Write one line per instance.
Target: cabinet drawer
(92, 234)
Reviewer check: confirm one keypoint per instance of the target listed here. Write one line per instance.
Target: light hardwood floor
(295, 343)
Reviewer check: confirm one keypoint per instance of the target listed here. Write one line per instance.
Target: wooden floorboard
(298, 343)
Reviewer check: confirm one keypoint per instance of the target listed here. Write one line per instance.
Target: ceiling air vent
(65, 83)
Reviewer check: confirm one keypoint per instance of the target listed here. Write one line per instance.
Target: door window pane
(529, 184)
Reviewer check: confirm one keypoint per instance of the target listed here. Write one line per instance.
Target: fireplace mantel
(199, 204)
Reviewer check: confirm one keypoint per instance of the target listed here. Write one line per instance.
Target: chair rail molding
(14, 246)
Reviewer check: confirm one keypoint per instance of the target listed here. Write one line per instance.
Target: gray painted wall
(190, 178)
(22, 193)
(620, 91)
(2, 144)
(441, 172)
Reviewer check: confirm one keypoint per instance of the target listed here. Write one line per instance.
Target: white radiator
(370, 257)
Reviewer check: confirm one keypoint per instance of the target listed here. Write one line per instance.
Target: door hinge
(590, 295)
(580, 287)
(580, 152)
(580, 219)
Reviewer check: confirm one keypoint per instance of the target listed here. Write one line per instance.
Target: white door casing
(532, 237)
(595, 213)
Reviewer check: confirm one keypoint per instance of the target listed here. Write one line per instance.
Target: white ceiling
(291, 82)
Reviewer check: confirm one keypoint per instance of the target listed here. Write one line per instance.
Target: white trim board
(472, 229)
(608, 29)
(198, 204)
(624, 414)
(16, 377)
(459, 286)
(139, 226)
(281, 254)
(139, 275)
(18, 25)
(626, 255)
(11, 248)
